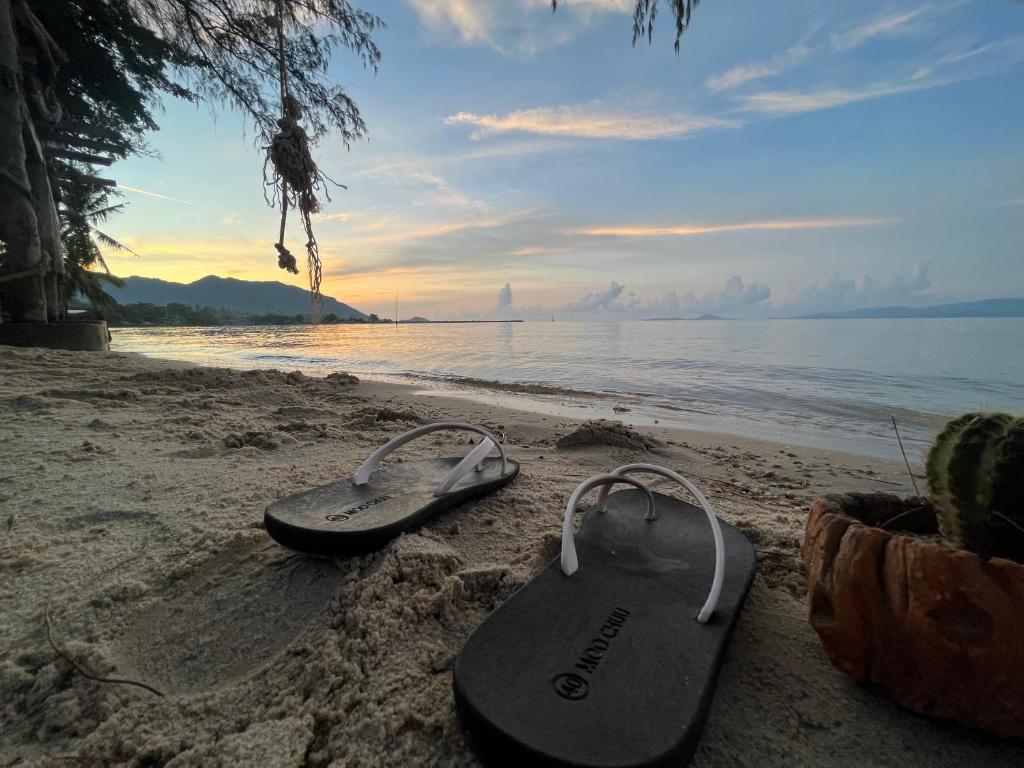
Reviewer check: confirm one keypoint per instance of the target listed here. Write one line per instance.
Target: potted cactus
(924, 597)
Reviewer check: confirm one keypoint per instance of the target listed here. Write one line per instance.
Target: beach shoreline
(822, 384)
(132, 491)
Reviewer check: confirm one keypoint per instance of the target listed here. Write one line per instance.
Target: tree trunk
(48, 225)
(24, 298)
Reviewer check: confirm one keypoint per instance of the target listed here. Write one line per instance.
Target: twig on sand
(88, 759)
(75, 666)
(884, 482)
(905, 460)
(78, 759)
(779, 552)
(131, 559)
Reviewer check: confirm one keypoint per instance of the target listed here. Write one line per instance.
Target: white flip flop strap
(569, 560)
(473, 459)
(716, 528)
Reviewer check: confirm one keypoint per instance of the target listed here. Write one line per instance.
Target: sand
(131, 499)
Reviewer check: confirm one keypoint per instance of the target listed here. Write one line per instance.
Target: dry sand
(131, 500)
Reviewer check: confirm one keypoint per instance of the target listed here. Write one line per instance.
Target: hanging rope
(296, 173)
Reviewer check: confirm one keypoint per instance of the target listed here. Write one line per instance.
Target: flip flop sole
(609, 666)
(341, 519)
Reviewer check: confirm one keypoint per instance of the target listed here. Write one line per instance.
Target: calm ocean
(821, 383)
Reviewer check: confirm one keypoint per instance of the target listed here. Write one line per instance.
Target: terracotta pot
(938, 629)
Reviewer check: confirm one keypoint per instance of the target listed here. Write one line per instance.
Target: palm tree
(645, 12)
(84, 206)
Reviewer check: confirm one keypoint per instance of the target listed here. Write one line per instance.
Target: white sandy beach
(131, 500)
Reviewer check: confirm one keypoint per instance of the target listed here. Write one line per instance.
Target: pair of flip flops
(609, 656)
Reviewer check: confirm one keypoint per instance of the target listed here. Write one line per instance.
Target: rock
(613, 433)
(261, 440)
(937, 628)
(342, 379)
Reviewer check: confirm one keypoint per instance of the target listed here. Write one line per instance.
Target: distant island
(420, 320)
(228, 294)
(984, 308)
(214, 301)
(176, 314)
(702, 317)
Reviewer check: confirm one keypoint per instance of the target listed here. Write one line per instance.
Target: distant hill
(984, 308)
(415, 319)
(702, 317)
(247, 296)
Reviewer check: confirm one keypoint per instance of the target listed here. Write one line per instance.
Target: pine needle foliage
(646, 11)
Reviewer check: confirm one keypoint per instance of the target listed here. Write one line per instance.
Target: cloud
(779, 103)
(741, 298)
(955, 58)
(595, 301)
(592, 121)
(706, 229)
(383, 229)
(953, 67)
(838, 293)
(989, 59)
(519, 27)
(482, 243)
(508, 149)
(337, 216)
(736, 296)
(504, 297)
(746, 73)
(147, 193)
(538, 250)
(419, 183)
(884, 26)
(444, 193)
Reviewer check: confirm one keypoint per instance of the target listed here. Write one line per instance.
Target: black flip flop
(360, 515)
(613, 664)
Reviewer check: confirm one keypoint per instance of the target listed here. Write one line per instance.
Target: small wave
(522, 388)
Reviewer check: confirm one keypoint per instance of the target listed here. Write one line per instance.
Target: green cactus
(976, 479)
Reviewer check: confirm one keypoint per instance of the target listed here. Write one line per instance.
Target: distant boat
(552, 318)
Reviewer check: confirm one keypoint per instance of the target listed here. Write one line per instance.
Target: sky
(795, 156)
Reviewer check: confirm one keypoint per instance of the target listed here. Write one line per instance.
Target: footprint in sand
(227, 619)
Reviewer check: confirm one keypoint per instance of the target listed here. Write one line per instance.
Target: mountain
(246, 296)
(984, 308)
(702, 317)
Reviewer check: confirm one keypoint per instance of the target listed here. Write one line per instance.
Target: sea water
(824, 383)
